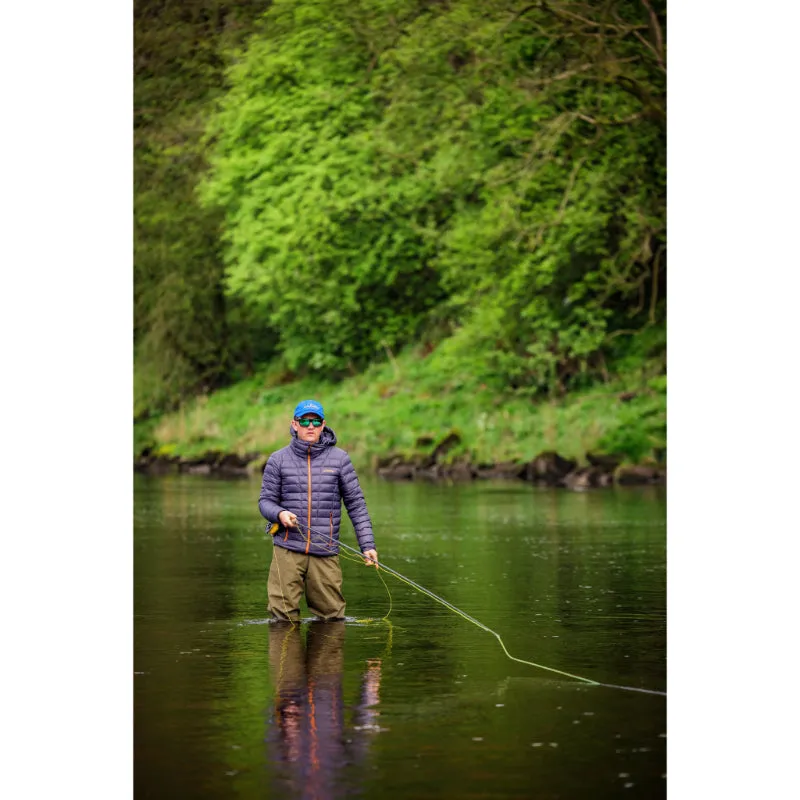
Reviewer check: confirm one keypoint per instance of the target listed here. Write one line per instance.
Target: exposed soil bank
(547, 469)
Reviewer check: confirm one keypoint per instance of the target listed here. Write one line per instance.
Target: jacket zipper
(331, 527)
(308, 524)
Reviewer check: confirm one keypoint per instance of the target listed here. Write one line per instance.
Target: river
(424, 704)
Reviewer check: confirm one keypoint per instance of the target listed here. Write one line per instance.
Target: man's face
(310, 435)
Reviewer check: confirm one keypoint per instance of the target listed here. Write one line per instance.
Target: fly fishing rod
(324, 540)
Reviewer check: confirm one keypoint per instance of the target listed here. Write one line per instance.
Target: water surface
(429, 705)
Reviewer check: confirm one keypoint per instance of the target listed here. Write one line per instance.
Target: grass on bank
(408, 405)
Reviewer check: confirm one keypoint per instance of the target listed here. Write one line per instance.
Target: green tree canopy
(491, 166)
(488, 175)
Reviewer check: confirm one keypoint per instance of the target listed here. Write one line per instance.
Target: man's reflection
(308, 728)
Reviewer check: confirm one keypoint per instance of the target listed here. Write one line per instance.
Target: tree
(189, 336)
(493, 166)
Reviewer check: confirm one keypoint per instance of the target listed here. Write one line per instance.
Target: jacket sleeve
(356, 505)
(270, 495)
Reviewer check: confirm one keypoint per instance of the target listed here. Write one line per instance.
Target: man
(301, 494)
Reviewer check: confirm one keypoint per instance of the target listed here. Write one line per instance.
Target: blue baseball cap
(309, 407)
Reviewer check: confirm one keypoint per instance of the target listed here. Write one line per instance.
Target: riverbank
(410, 418)
(547, 469)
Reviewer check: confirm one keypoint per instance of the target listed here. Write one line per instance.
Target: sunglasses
(304, 423)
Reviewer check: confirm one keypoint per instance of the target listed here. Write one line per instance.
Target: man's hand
(288, 520)
(370, 557)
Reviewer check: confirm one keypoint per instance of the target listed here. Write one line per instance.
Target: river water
(425, 704)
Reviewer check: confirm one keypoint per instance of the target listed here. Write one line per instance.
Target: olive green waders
(291, 573)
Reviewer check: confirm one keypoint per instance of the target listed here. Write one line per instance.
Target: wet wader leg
(287, 573)
(324, 587)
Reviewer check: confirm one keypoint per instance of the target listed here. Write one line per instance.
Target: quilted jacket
(312, 481)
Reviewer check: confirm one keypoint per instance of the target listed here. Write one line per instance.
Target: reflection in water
(307, 731)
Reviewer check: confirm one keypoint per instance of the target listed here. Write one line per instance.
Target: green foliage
(480, 182)
(636, 436)
(329, 249)
(562, 205)
(144, 436)
(188, 336)
(639, 431)
(409, 406)
(486, 168)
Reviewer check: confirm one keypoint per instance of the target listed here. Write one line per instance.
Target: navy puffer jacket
(311, 481)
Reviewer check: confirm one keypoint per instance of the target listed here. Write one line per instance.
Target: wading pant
(291, 573)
